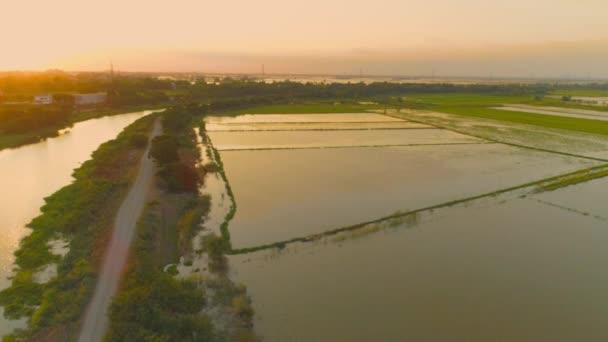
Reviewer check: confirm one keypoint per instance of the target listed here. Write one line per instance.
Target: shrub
(211, 167)
(180, 177)
(139, 141)
(164, 149)
(215, 247)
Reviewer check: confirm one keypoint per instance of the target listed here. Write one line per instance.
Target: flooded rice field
(308, 118)
(340, 138)
(305, 126)
(283, 194)
(584, 144)
(587, 198)
(494, 270)
(514, 266)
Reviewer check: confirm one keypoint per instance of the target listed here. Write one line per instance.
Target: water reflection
(499, 270)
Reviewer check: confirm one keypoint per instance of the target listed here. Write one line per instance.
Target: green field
(561, 122)
(446, 99)
(477, 100)
(307, 108)
(479, 106)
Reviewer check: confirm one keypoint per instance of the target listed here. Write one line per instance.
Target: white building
(43, 99)
(90, 99)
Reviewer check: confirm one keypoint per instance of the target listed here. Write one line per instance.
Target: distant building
(43, 99)
(90, 99)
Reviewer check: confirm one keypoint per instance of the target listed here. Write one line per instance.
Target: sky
(388, 37)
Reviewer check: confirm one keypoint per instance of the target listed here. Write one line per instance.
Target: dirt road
(96, 319)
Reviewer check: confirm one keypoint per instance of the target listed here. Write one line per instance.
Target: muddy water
(345, 138)
(313, 126)
(294, 118)
(30, 173)
(283, 194)
(512, 271)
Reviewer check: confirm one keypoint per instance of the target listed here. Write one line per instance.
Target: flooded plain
(579, 143)
(33, 172)
(304, 126)
(283, 194)
(587, 198)
(519, 266)
(494, 270)
(224, 141)
(303, 118)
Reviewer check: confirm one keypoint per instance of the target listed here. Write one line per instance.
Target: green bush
(139, 140)
(164, 149)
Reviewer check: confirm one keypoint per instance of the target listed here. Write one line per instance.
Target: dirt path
(96, 319)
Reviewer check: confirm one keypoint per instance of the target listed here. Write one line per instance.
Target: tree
(164, 149)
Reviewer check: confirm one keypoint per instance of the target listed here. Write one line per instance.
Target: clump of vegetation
(211, 167)
(574, 178)
(215, 247)
(190, 222)
(241, 305)
(139, 140)
(180, 177)
(164, 150)
(230, 214)
(153, 305)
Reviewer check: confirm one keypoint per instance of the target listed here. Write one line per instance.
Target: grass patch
(573, 179)
(467, 99)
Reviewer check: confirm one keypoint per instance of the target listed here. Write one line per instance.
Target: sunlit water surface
(501, 271)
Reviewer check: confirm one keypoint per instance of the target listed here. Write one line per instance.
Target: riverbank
(14, 140)
(95, 320)
(79, 215)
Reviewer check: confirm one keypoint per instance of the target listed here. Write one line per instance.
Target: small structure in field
(43, 99)
(90, 99)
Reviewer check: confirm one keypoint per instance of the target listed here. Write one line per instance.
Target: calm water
(313, 126)
(343, 138)
(30, 173)
(496, 271)
(285, 118)
(509, 268)
(282, 194)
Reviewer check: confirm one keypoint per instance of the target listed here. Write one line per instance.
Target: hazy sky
(454, 37)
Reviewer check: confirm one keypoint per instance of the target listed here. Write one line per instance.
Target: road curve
(96, 317)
